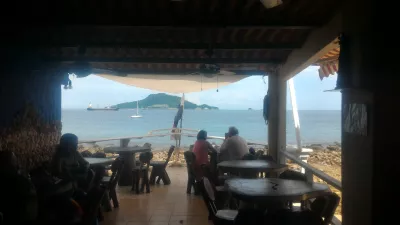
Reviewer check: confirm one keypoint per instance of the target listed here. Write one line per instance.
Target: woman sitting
(201, 149)
(67, 162)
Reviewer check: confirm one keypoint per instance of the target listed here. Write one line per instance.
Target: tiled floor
(165, 205)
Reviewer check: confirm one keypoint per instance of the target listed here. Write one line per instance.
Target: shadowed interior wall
(30, 116)
(370, 78)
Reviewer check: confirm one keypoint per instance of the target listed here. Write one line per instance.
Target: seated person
(234, 146)
(18, 203)
(251, 155)
(67, 162)
(201, 149)
(252, 151)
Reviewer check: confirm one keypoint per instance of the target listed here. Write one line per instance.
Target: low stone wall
(32, 140)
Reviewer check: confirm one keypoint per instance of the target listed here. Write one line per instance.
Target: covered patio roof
(329, 63)
(124, 38)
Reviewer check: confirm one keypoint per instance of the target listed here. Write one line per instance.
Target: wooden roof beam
(318, 43)
(200, 46)
(165, 60)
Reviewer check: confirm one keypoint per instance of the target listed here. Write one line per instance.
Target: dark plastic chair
(141, 173)
(293, 175)
(95, 195)
(325, 206)
(266, 158)
(89, 179)
(222, 197)
(190, 158)
(111, 182)
(159, 169)
(218, 216)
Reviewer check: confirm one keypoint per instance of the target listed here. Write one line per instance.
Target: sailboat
(137, 111)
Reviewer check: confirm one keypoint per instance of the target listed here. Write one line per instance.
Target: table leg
(126, 175)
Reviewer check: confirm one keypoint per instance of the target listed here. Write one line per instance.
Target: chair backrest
(190, 158)
(145, 158)
(90, 178)
(325, 206)
(293, 175)
(95, 196)
(266, 158)
(209, 173)
(208, 192)
(116, 168)
(259, 153)
(249, 156)
(170, 151)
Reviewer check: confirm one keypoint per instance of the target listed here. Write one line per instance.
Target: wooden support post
(124, 142)
(277, 115)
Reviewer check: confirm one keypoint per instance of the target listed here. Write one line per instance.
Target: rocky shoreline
(322, 155)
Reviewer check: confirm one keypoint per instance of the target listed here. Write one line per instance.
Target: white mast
(295, 114)
(137, 107)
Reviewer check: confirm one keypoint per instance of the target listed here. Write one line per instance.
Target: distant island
(162, 101)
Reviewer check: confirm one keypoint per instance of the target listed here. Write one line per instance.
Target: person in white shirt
(234, 146)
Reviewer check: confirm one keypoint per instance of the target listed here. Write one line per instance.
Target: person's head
(8, 160)
(252, 151)
(68, 143)
(233, 131)
(202, 135)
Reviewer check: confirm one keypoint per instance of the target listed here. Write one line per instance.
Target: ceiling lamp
(271, 3)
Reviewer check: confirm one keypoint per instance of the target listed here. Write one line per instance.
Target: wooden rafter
(319, 42)
(163, 60)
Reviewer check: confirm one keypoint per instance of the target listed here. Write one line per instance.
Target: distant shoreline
(321, 110)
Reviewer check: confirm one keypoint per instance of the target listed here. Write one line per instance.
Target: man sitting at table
(67, 162)
(234, 146)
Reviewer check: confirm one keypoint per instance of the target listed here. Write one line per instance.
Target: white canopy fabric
(175, 83)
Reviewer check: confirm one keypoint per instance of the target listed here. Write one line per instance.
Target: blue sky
(247, 93)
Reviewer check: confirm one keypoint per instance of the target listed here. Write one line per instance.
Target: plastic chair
(293, 175)
(142, 173)
(325, 206)
(190, 158)
(95, 195)
(218, 216)
(159, 169)
(111, 182)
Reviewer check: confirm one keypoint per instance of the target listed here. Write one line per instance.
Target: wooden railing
(310, 172)
(163, 133)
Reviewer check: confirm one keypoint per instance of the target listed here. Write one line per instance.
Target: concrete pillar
(277, 115)
(369, 76)
(30, 116)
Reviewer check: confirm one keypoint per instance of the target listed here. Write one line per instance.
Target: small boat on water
(90, 108)
(137, 111)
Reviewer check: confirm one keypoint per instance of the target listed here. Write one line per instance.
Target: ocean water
(317, 126)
